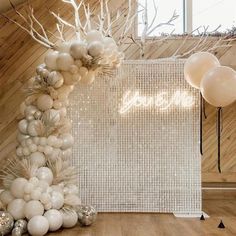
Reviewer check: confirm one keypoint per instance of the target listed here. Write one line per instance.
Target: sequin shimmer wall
(137, 140)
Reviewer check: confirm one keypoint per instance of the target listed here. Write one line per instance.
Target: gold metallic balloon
(6, 222)
(86, 215)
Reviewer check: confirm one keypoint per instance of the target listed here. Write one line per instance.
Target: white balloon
(95, 49)
(64, 47)
(94, 35)
(33, 208)
(45, 174)
(33, 127)
(16, 209)
(38, 226)
(54, 218)
(57, 104)
(78, 49)
(30, 110)
(27, 197)
(36, 194)
(6, 197)
(78, 63)
(51, 60)
(218, 86)
(67, 141)
(64, 61)
(51, 141)
(38, 159)
(19, 152)
(26, 151)
(88, 79)
(197, 65)
(43, 141)
(33, 147)
(28, 188)
(52, 115)
(34, 181)
(55, 79)
(17, 187)
(22, 126)
(57, 200)
(70, 218)
(21, 137)
(44, 102)
(36, 140)
(45, 198)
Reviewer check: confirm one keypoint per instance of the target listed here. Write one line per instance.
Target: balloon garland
(217, 86)
(40, 185)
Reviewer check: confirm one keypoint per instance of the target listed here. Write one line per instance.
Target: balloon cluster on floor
(217, 84)
(40, 184)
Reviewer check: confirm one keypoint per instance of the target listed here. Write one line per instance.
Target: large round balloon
(218, 86)
(197, 65)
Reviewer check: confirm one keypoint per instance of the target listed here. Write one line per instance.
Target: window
(192, 15)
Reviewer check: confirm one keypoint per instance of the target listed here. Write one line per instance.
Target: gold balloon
(218, 86)
(6, 223)
(197, 65)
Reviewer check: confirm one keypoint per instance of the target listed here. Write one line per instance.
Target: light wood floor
(121, 224)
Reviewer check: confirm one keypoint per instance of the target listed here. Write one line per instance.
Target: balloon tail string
(219, 114)
(201, 123)
(204, 108)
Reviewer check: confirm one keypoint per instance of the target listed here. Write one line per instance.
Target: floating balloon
(197, 65)
(218, 86)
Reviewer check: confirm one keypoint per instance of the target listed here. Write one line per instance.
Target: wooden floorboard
(136, 224)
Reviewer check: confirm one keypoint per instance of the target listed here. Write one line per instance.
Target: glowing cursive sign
(162, 100)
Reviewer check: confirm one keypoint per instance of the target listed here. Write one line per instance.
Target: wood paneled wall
(19, 55)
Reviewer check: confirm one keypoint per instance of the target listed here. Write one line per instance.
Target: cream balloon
(33, 208)
(197, 65)
(38, 226)
(218, 86)
(6, 197)
(51, 60)
(16, 209)
(38, 159)
(22, 126)
(45, 174)
(54, 218)
(70, 218)
(57, 200)
(64, 61)
(17, 187)
(44, 102)
(88, 79)
(78, 49)
(34, 127)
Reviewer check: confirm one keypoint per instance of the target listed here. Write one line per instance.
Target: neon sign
(161, 101)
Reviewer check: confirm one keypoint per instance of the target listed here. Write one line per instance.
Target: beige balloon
(197, 65)
(218, 86)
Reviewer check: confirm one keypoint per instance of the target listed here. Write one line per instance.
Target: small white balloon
(16, 209)
(57, 200)
(69, 218)
(45, 174)
(51, 60)
(21, 137)
(94, 35)
(52, 115)
(51, 141)
(88, 79)
(36, 194)
(38, 159)
(67, 141)
(95, 49)
(26, 151)
(17, 187)
(28, 188)
(33, 208)
(44, 102)
(64, 47)
(19, 152)
(54, 218)
(30, 110)
(38, 226)
(34, 127)
(43, 141)
(55, 79)
(6, 197)
(48, 150)
(78, 50)
(22, 126)
(78, 63)
(33, 147)
(64, 61)
(45, 198)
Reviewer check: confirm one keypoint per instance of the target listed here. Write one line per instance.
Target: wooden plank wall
(19, 55)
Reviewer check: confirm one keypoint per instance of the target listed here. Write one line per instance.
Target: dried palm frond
(17, 168)
(62, 173)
